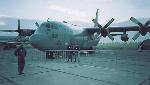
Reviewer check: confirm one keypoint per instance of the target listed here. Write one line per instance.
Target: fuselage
(52, 35)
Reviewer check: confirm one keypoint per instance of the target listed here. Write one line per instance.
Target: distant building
(145, 45)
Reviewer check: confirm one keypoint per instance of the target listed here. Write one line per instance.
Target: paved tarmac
(105, 67)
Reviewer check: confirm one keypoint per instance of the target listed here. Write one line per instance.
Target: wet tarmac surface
(105, 67)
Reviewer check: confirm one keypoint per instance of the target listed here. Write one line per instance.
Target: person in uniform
(76, 52)
(20, 53)
(70, 53)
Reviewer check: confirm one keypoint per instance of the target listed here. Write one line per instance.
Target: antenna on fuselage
(48, 20)
(37, 24)
(64, 21)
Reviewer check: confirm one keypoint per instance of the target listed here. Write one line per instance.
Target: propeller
(18, 29)
(142, 28)
(104, 31)
(21, 32)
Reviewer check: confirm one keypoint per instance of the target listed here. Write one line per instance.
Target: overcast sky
(75, 10)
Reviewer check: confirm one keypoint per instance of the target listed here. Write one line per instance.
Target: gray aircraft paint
(58, 36)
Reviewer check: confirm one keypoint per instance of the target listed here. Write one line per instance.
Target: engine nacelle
(124, 37)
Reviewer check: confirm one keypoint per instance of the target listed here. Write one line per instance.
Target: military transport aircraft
(53, 35)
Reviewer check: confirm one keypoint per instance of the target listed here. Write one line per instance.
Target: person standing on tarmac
(76, 52)
(73, 53)
(20, 53)
(70, 53)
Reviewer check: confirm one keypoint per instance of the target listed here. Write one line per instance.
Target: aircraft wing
(130, 28)
(106, 32)
(22, 32)
(8, 30)
(115, 29)
(10, 42)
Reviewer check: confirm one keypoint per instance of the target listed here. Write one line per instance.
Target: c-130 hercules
(53, 35)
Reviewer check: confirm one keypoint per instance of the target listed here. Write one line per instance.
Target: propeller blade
(19, 30)
(111, 37)
(147, 23)
(136, 21)
(96, 35)
(99, 37)
(96, 23)
(97, 14)
(136, 36)
(18, 25)
(37, 24)
(109, 23)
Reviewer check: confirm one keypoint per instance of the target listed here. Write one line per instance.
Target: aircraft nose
(36, 40)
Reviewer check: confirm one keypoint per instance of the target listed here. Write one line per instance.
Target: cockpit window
(51, 25)
(48, 25)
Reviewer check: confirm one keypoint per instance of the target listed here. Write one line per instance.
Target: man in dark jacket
(76, 53)
(20, 53)
(70, 53)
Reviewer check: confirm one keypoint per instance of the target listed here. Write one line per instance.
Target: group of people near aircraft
(73, 53)
(20, 52)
